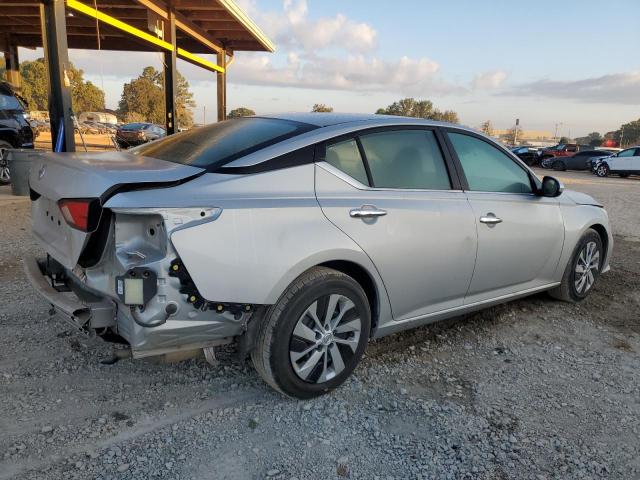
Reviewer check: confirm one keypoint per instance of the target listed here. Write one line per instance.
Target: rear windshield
(9, 102)
(135, 126)
(215, 145)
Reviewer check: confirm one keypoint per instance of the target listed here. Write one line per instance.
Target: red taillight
(76, 212)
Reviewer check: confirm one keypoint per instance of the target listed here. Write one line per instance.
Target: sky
(573, 64)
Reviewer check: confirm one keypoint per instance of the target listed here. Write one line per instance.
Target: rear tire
(304, 358)
(583, 270)
(5, 175)
(559, 165)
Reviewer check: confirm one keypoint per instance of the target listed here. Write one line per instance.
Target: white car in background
(624, 163)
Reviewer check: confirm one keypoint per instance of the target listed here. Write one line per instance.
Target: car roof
(325, 119)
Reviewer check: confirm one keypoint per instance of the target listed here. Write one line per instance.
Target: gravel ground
(535, 389)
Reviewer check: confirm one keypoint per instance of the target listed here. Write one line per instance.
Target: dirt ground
(534, 389)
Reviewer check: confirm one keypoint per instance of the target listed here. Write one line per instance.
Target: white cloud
(291, 28)
(355, 72)
(620, 88)
(489, 80)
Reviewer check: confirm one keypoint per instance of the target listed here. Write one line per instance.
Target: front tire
(311, 340)
(583, 270)
(602, 170)
(5, 175)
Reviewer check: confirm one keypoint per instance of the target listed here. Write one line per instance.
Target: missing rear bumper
(99, 314)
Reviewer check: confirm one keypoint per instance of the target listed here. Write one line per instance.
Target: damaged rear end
(115, 271)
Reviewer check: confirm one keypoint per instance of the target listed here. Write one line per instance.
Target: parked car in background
(529, 155)
(15, 129)
(133, 134)
(624, 163)
(301, 237)
(563, 150)
(580, 161)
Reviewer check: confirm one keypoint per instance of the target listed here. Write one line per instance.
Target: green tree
(564, 140)
(321, 107)
(628, 134)
(410, 107)
(594, 139)
(85, 96)
(241, 112)
(34, 84)
(144, 96)
(133, 117)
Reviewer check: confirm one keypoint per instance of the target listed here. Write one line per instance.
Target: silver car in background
(300, 237)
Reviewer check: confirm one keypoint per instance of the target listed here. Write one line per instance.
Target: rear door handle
(367, 211)
(490, 219)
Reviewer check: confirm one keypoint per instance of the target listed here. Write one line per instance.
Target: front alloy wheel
(310, 341)
(5, 176)
(587, 268)
(602, 170)
(583, 270)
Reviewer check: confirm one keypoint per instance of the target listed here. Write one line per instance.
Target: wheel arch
(602, 231)
(362, 276)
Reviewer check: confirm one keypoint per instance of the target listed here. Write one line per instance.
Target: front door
(520, 235)
(398, 204)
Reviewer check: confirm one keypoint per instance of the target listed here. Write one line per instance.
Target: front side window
(488, 169)
(345, 156)
(405, 159)
(627, 153)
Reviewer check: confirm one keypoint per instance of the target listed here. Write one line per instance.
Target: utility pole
(204, 115)
(515, 132)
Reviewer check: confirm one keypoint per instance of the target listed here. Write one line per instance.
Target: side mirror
(551, 187)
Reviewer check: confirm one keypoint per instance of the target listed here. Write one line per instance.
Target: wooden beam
(221, 82)
(184, 24)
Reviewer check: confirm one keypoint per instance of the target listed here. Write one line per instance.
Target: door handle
(490, 219)
(367, 211)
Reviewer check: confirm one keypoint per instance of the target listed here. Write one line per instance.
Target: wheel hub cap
(325, 338)
(587, 267)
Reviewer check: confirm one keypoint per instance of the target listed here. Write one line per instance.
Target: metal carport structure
(183, 29)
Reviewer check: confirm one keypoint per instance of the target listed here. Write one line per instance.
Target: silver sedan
(300, 237)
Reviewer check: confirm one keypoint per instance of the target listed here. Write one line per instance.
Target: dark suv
(15, 130)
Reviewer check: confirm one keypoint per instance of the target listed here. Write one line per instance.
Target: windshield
(9, 102)
(215, 145)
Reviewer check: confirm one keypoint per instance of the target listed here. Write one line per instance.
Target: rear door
(390, 190)
(520, 234)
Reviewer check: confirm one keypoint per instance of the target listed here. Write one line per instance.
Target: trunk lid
(55, 176)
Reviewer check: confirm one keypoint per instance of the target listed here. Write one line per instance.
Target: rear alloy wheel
(583, 270)
(310, 341)
(5, 176)
(602, 170)
(559, 165)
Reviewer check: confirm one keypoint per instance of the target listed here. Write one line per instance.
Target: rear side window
(345, 156)
(405, 159)
(486, 168)
(215, 145)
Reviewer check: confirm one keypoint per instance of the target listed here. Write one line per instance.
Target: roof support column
(13, 65)
(170, 76)
(222, 86)
(54, 39)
